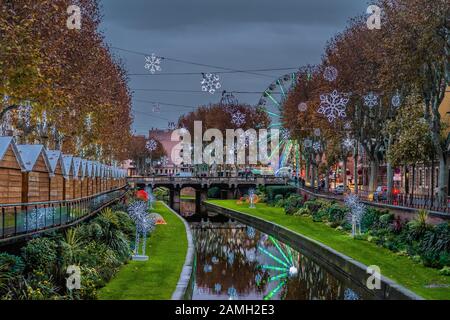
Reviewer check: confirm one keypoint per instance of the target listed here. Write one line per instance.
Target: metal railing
(22, 219)
(206, 180)
(402, 201)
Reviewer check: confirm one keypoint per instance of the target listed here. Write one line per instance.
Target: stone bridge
(230, 186)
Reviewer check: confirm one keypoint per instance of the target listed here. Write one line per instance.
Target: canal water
(235, 261)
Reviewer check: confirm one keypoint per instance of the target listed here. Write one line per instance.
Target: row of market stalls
(30, 173)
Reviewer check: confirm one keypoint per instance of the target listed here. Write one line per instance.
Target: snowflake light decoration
(302, 107)
(232, 293)
(230, 258)
(317, 132)
(238, 118)
(371, 100)
(215, 260)
(217, 288)
(330, 74)
(347, 125)
(207, 268)
(333, 105)
(357, 210)
(151, 145)
(349, 294)
(251, 232)
(152, 63)
(396, 100)
(316, 146)
(210, 83)
(285, 134)
(156, 108)
(348, 143)
(88, 122)
(164, 161)
(307, 143)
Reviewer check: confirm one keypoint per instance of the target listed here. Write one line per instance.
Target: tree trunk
(373, 175)
(308, 170)
(390, 181)
(327, 180)
(443, 180)
(355, 169)
(344, 173)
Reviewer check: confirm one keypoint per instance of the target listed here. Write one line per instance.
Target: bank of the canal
(425, 282)
(157, 278)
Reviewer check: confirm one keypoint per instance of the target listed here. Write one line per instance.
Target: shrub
(370, 219)
(214, 193)
(11, 263)
(434, 246)
(293, 203)
(303, 211)
(313, 205)
(419, 226)
(40, 254)
(284, 191)
(320, 215)
(337, 213)
(445, 271)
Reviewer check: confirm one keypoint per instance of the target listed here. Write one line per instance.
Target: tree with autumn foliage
(67, 73)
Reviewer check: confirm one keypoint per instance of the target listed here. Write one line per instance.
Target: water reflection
(235, 261)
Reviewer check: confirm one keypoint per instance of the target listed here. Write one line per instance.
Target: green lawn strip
(155, 279)
(401, 269)
(187, 198)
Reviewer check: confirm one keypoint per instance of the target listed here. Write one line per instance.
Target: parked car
(340, 189)
(381, 193)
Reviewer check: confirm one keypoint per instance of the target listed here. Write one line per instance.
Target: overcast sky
(235, 34)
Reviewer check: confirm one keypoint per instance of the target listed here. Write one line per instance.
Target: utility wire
(199, 73)
(165, 104)
(191, 63)
(198, 91)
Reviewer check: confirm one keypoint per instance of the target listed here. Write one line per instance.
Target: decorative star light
(285, 264)
(215, 260)
(316, 146)
(238, 118)
(210, 83)
(371, 100)
(285, 134)
(230, 258)
(217, 288)
(152, 63)
(333, 105)
(330, 73)
(151, 145)
(302, 107)
(396, 100)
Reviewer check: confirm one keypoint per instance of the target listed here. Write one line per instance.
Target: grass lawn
(398, 268)
(156, 278)
(185, 197)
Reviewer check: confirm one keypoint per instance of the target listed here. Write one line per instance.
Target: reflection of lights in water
(258, 279)
(349, 294)
(215, 260)
(232, 293)
(284, 265)
(251, 232)
(207, 268)
(217, 287)
(230, 258)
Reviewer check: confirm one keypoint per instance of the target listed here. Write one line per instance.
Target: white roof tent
(68, 164)
(53, 157)
(30, 154)
(76, 167)
(5, 143)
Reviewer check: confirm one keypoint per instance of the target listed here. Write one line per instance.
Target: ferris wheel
(272, 102)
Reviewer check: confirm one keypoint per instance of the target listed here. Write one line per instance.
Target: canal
(235, 261)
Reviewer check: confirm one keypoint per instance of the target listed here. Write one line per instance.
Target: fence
(24, 219)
